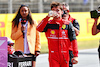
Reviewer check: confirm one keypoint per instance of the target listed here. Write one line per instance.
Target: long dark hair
(15, 21)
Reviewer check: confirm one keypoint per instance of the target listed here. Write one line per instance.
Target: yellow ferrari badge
(63, 26)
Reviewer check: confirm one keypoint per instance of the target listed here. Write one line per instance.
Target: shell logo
(52, 32)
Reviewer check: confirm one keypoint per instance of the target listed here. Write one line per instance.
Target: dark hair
(55, 4)
(15, 21)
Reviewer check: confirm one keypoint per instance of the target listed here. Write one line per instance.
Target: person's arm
(72, 37)
(94, 27)
(41, 26)
(37, 44)
(75, 51)
(76, 27)
(16, 32)
(76, 31)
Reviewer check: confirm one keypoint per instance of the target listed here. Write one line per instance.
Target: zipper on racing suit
(61, 44)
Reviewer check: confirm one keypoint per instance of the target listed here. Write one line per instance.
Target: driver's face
(58, 11)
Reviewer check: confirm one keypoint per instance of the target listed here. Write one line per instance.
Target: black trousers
(71, 56)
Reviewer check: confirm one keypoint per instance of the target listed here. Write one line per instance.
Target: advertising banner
(2, 24)
(83, 18)
(3, 52)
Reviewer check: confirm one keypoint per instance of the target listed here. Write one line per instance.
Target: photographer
(96, 27)
(96, 30)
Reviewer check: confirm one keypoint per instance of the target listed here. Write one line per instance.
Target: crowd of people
(61, 32)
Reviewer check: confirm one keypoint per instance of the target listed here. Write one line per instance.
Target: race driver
(59, 33)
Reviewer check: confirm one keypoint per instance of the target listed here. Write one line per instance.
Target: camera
(95, 13)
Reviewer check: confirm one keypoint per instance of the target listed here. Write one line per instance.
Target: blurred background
(79, 9)
(43, 6)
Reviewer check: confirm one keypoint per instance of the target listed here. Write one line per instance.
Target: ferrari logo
(63, 26)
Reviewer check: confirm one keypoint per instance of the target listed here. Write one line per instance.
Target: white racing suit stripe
(57, 37)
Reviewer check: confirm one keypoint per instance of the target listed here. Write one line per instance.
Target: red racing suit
(74, 47)
(58, 33)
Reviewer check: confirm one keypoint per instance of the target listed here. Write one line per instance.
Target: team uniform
(72, 50)
(59, 34)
